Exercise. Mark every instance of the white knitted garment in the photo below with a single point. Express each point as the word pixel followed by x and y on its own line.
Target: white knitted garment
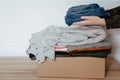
pixel 42 43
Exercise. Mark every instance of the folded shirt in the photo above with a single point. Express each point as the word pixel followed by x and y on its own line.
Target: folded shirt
pixel 42 43
pixel 89 50
pixel 103 45
pixel 74 13
pixel 63 53
pixel 100 49
pixel 61 48
pixel 99 54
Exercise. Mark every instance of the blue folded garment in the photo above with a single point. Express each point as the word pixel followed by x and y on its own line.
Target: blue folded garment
pixel 74 13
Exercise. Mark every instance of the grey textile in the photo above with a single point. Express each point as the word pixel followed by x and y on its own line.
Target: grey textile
pixel 93 45
pixel 42 43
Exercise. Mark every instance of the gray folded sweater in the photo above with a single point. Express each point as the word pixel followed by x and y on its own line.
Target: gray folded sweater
pixel 103 43
pixel 42 43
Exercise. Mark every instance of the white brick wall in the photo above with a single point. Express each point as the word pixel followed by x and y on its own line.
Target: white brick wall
pixel 20 18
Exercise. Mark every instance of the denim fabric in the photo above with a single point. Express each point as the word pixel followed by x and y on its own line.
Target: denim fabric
pixel 74 13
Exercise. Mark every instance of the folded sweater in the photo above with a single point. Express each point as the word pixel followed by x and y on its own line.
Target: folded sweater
pixel 103 45
pixel 99 54
pixel 74 13
pixel 42 43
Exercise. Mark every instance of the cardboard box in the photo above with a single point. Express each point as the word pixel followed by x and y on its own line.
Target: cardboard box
pixel 73 67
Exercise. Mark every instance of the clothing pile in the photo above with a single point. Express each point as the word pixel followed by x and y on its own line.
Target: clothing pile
pixel 75 40
pixel 101 50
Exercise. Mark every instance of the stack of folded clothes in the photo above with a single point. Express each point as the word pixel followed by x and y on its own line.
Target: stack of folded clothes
pixel 73 41
pixel 77 50
pixel 101 49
